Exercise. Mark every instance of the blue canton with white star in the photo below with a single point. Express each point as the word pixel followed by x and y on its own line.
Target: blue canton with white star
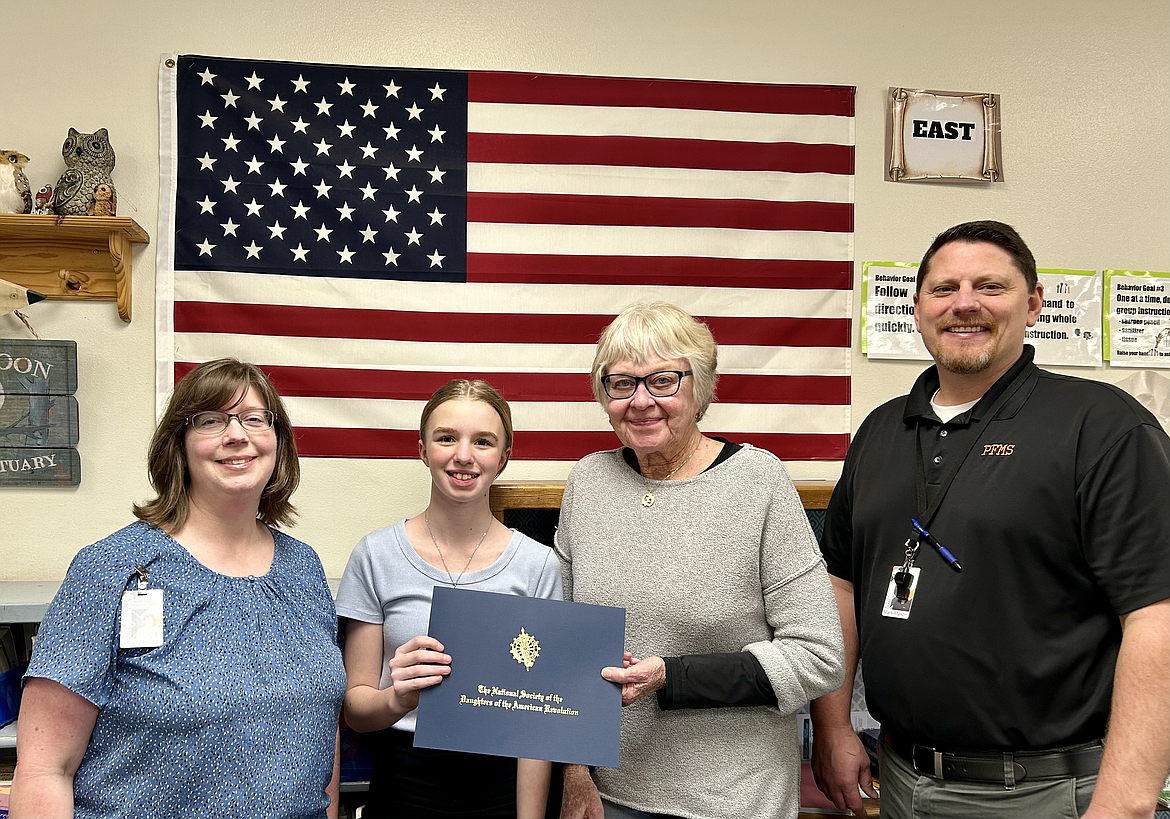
pixel 321 170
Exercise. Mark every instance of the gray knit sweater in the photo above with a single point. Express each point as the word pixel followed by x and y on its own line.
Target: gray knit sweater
pixel 722 562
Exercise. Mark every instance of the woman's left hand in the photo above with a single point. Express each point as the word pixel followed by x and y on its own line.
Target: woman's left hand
pixel 637 678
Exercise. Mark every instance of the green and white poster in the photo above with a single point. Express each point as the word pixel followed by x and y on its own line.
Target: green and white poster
pixel 1068 330
pixel 1137 314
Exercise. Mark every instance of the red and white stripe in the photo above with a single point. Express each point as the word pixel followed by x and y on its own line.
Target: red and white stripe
pixel 584 195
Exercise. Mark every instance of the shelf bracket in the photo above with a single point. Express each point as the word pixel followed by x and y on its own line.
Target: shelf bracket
pixel 121 253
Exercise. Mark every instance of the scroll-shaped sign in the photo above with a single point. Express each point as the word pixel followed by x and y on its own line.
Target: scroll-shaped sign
pixel 943 135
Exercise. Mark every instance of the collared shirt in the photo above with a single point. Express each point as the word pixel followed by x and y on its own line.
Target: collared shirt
pixel 1058 516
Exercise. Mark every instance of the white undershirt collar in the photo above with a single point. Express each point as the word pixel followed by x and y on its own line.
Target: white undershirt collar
pixel 945 413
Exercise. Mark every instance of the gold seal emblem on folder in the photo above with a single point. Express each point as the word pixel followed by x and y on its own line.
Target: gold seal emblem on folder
pixel 525 649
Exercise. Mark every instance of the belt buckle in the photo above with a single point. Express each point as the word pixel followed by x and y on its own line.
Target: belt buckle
pixel 936 770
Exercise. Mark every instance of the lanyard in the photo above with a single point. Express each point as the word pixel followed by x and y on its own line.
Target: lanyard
pixel 926 513
pixel 904 580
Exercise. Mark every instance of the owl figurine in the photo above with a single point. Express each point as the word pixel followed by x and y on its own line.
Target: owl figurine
pixel 44 200
pixel 103 201
pixel 89 160
pixel 15 195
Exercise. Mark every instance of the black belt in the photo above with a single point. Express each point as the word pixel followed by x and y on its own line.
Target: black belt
pixel 992 766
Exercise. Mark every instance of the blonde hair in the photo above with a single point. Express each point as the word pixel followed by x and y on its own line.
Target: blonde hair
pixel 663 330
pixel 210 386
pixel 469 390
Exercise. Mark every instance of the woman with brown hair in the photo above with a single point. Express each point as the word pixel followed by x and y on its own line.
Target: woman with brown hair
pixel 188 666
pixel 465 439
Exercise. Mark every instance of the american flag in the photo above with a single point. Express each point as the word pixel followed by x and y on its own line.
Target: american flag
pixel 366 234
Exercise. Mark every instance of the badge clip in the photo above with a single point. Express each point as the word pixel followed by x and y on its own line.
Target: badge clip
pixel 142 615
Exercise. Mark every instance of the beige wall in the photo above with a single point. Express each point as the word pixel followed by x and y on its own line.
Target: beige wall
pixel 1085 89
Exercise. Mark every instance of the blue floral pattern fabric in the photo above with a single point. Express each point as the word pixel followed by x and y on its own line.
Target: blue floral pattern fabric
pixel 233 716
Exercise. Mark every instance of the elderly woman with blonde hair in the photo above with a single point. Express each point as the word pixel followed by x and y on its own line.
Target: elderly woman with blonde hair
pixel 730 618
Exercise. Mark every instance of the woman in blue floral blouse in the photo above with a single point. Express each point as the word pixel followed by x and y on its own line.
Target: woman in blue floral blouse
pixel 188 666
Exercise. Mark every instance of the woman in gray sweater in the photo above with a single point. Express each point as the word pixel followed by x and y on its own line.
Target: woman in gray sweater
pixel 730 619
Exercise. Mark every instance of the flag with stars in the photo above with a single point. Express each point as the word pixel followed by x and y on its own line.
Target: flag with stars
pixel 366 234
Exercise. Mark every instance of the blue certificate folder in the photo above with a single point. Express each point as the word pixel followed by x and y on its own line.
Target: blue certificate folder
pixel 525 678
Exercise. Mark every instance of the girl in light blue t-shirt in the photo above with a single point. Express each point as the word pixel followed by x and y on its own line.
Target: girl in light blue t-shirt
pixel 465 439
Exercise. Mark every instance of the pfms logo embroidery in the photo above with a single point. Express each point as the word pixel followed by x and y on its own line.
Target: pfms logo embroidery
pixel 998 449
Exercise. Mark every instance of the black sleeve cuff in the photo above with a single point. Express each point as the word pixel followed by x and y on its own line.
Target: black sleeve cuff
pixel 732 680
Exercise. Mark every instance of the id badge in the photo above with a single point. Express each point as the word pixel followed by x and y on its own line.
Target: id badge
pixel 893 607
pixel 142 619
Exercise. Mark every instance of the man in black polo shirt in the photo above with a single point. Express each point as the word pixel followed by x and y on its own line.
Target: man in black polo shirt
pixel 1024 616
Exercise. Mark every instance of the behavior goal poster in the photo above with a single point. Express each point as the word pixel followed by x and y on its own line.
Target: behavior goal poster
pixel 1138 317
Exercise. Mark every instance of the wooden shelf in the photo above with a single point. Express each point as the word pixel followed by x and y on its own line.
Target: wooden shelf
pixel 505 495
pixel 71 257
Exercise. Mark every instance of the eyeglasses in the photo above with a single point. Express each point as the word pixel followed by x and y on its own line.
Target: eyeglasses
pixel 662 384
pixel 213 422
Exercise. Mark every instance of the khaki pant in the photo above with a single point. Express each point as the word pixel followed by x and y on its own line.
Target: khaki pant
pixel 907 794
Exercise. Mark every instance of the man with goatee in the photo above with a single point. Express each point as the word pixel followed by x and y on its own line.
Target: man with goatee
pixel 999 544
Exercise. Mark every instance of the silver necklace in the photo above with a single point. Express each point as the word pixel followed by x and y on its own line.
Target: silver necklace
pixel 454 580
pixel 648 498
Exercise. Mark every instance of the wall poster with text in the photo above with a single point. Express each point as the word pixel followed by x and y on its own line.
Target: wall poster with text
pixel 1138 318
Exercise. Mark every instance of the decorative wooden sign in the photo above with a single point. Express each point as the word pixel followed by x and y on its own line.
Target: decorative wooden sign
pixel 31 466
pixel 38 420
pixel 51 365
pixel 38 413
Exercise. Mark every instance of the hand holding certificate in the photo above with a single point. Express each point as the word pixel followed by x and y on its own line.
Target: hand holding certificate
pixel 525 678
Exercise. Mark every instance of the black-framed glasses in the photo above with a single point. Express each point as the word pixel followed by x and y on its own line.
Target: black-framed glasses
pixel 213 422
pixel 661 384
